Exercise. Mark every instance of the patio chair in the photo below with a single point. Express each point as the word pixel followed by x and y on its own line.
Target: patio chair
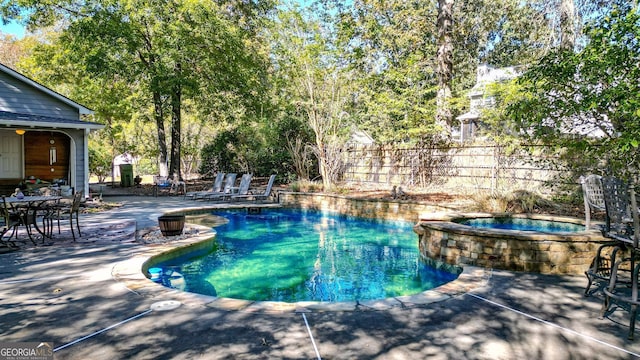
pixel 592 195
pixel 10 222
pixel 229 182
pixel 256 197
pixel 242 189
pixel 160 183
pixel 177 185
pixel 624 227
pixel 215 187
pixel 245 183
pixel 62 210
pixel 75 210
pixel 614 194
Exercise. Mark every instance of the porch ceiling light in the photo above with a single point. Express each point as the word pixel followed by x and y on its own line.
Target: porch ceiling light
pixel 20 131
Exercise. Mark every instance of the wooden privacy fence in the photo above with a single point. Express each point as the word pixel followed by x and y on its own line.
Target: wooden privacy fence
pixel 465 168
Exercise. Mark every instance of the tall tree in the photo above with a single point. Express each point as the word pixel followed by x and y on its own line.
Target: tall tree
pixel 389 49
pixel 567 24
pixel 315 85
pixel 444 64
pixel 171 50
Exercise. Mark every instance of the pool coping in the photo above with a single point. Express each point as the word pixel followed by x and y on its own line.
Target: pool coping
pixel 130 273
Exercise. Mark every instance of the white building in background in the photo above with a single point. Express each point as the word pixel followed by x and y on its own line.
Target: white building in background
pixel 479 99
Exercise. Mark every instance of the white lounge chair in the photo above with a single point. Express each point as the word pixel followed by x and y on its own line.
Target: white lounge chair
pixel 257 197
pixel 229 182
pixel 215 188
pixel 243 189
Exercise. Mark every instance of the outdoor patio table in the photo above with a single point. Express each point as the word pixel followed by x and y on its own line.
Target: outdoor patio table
pixel 27 208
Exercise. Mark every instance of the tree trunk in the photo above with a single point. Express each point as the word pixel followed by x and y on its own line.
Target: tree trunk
pixel 162 142
pixel 176 98
pixel 444 65
pixel 176 123
pixel 327 183
pixel 567 24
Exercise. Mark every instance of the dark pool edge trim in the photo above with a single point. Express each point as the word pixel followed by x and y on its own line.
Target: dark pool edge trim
pixel 130 273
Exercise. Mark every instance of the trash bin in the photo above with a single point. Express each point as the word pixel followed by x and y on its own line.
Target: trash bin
pixel 126 175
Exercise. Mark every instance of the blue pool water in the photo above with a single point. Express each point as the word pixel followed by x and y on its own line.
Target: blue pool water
pixel 510 223
pixel 297 255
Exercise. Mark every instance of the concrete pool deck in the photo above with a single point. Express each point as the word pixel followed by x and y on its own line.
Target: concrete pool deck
pixel 67 295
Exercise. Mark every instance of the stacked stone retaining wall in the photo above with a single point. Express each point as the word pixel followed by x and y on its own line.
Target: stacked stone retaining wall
pixel 510 250
pixel 367 208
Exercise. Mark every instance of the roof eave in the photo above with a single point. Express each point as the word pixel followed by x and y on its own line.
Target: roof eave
pixel 42 124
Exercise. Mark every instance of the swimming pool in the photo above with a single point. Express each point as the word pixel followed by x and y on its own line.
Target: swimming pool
pixel 292 255
pixel 521 224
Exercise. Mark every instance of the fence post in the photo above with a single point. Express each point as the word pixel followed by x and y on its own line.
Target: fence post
pixel 494 171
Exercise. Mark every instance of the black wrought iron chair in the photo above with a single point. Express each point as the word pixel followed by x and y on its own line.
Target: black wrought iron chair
pixel 623 226
pixel 74 210
pixel 59 210
pixel 613 195
pixel 10 222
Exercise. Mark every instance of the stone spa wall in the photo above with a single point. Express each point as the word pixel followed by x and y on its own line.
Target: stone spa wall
pixel 453 243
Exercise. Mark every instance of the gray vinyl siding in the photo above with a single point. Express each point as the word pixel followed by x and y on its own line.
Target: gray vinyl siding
pixel 18 97
pixel 78 136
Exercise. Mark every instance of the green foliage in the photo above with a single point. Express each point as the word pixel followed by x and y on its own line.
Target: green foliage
pixel 389 49
pixel 498 126
pixel 221 154
pixel 585 105
pixel 99 161
pixel 257 149
pixel 145 60
pixel 247 82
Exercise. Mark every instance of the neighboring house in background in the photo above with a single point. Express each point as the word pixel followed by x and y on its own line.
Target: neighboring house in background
pixel 360 137
pixel 42 135
pixel 471 120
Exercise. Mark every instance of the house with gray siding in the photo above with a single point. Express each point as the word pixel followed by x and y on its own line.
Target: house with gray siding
pixel 480 99
pixel 43 135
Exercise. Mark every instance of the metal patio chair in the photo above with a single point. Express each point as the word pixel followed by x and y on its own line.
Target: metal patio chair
pixel 623 225
pixel 10 222
pixel 62 210
pixel 592 195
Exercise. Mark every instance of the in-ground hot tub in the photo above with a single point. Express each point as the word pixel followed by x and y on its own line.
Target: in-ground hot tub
pixel 546 244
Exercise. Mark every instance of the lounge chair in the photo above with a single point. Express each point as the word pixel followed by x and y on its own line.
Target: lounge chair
pixel 216 187
pixel 257 197
pixel 168 185
pixel 229 182
pixel 243 189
